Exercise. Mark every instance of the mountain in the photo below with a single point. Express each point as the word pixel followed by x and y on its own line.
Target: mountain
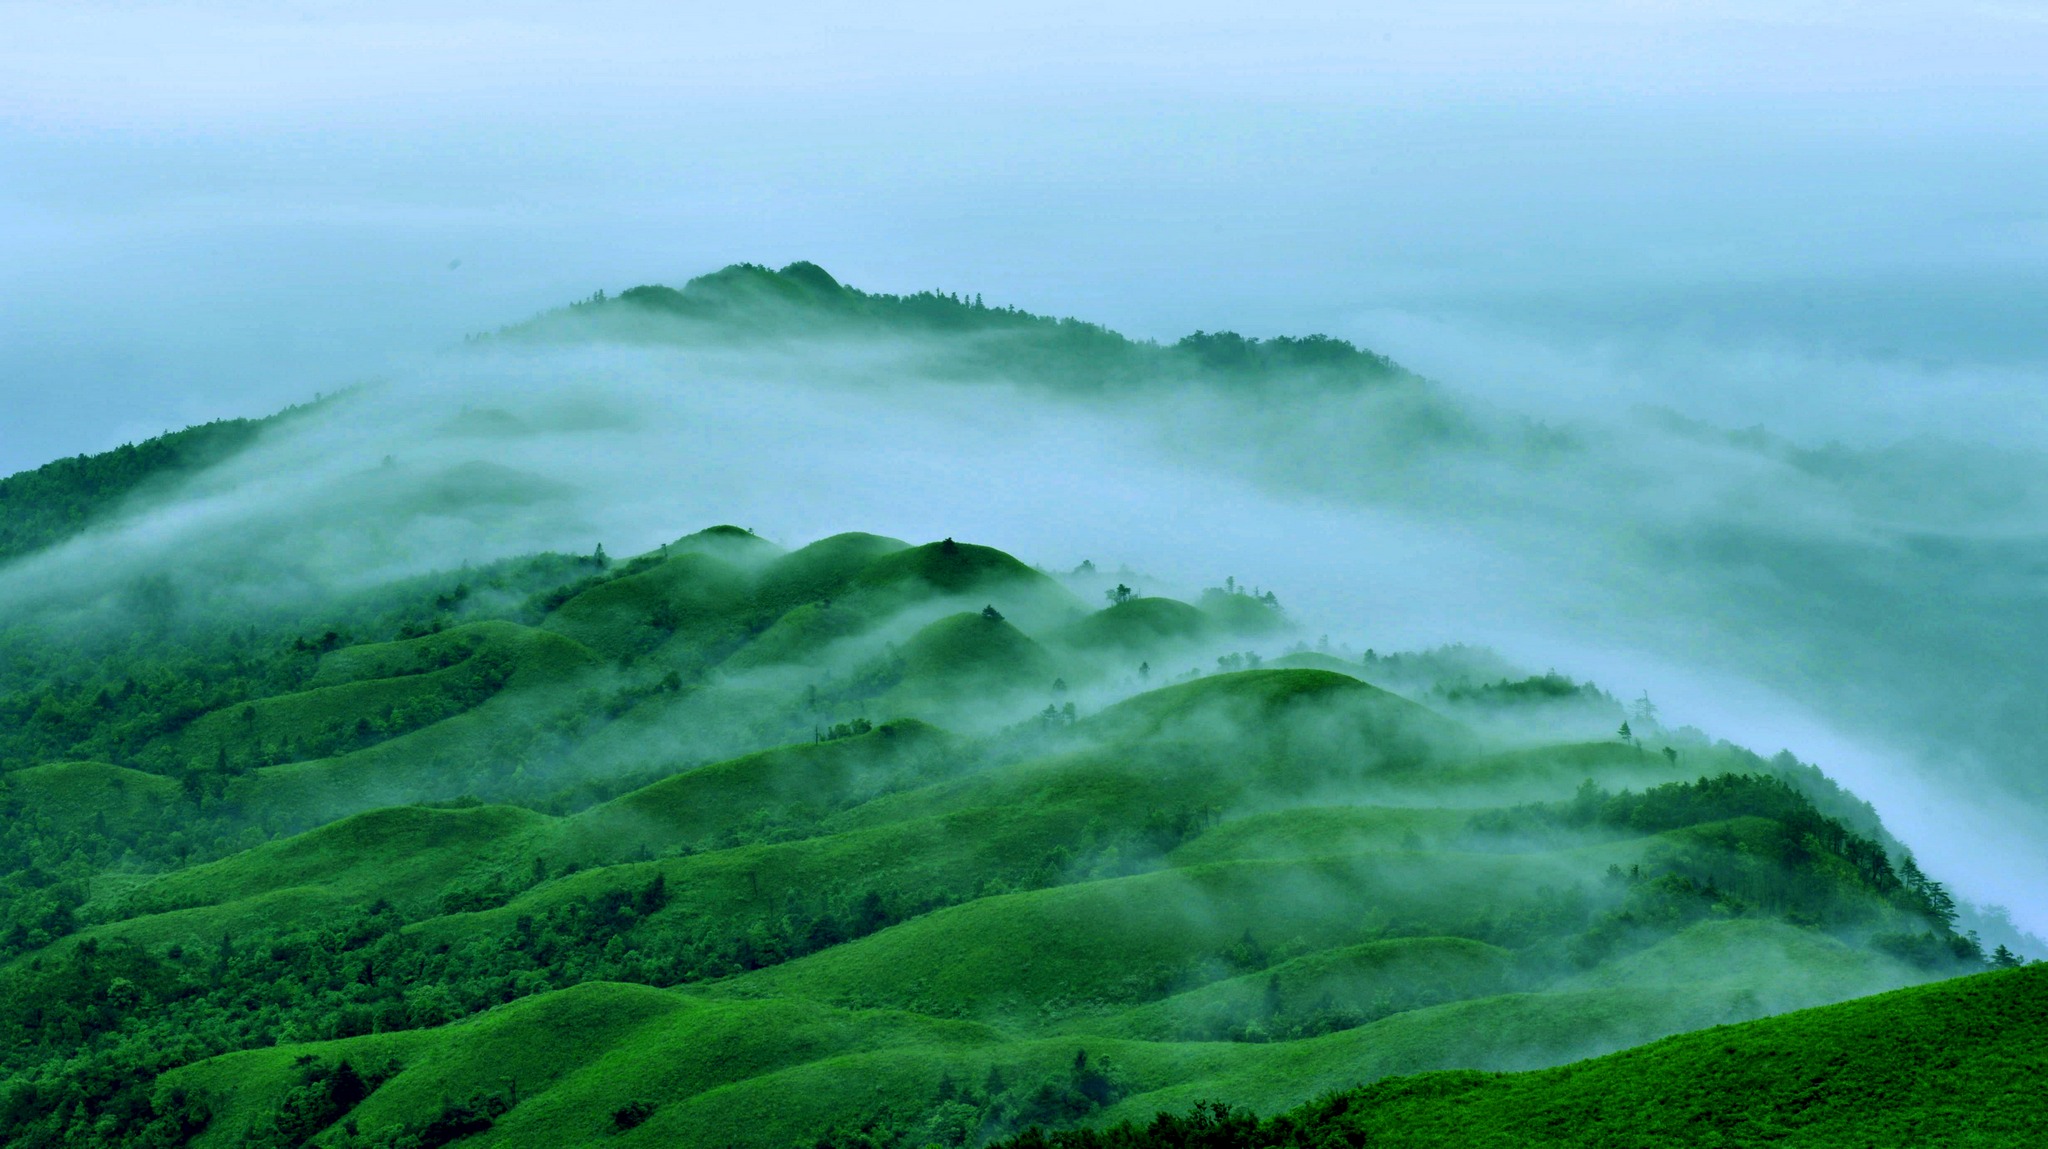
pixel 751 304
pixel 861 842
pixel 424 855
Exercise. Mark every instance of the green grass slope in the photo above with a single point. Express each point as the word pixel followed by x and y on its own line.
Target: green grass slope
pixel 1104 946
pixel 400 853
pixel 967 659
pixel 1137 626
pixel 821 570
pixel 736 545
pixel 1341 987
pixel 670 892
pixel 71 796
pixel 804 782
pixel 948 570
pixel 1954 1064
pixel 693 598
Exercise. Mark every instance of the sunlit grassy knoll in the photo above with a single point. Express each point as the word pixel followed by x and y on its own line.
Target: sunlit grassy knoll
pixel 527 1045
pixel 760 1073
pixel 574 1057
pixel 241 1089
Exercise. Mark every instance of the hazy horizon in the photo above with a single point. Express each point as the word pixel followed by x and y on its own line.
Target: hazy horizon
pixel 1749 214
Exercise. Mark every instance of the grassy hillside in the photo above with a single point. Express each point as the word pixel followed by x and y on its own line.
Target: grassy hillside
pixel 1953 1064
pixel 861 843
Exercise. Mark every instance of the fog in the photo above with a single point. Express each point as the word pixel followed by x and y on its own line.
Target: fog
pixel 1818 219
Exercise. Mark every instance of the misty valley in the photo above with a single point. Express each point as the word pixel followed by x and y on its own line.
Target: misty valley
pixel 348 804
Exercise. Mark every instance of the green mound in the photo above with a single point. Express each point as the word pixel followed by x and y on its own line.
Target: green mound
pixel 1804 966
pixel 947 567
pixel 822 570
pixel 374 660
pixel 1338 717
pixel 694 600
pixel 968 656
pixel 950 570
pixel 736 545
pixel 1137 626
pixel 803 633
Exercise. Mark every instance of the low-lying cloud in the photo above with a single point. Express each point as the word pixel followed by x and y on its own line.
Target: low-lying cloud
pixel 1866 608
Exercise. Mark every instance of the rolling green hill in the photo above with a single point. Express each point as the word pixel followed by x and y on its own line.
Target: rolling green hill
pixel 910 932
pixel 1953 1064
pixel 684 876
pixel 881 844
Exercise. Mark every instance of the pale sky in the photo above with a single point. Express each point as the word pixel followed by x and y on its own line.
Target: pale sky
pixel 212 209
